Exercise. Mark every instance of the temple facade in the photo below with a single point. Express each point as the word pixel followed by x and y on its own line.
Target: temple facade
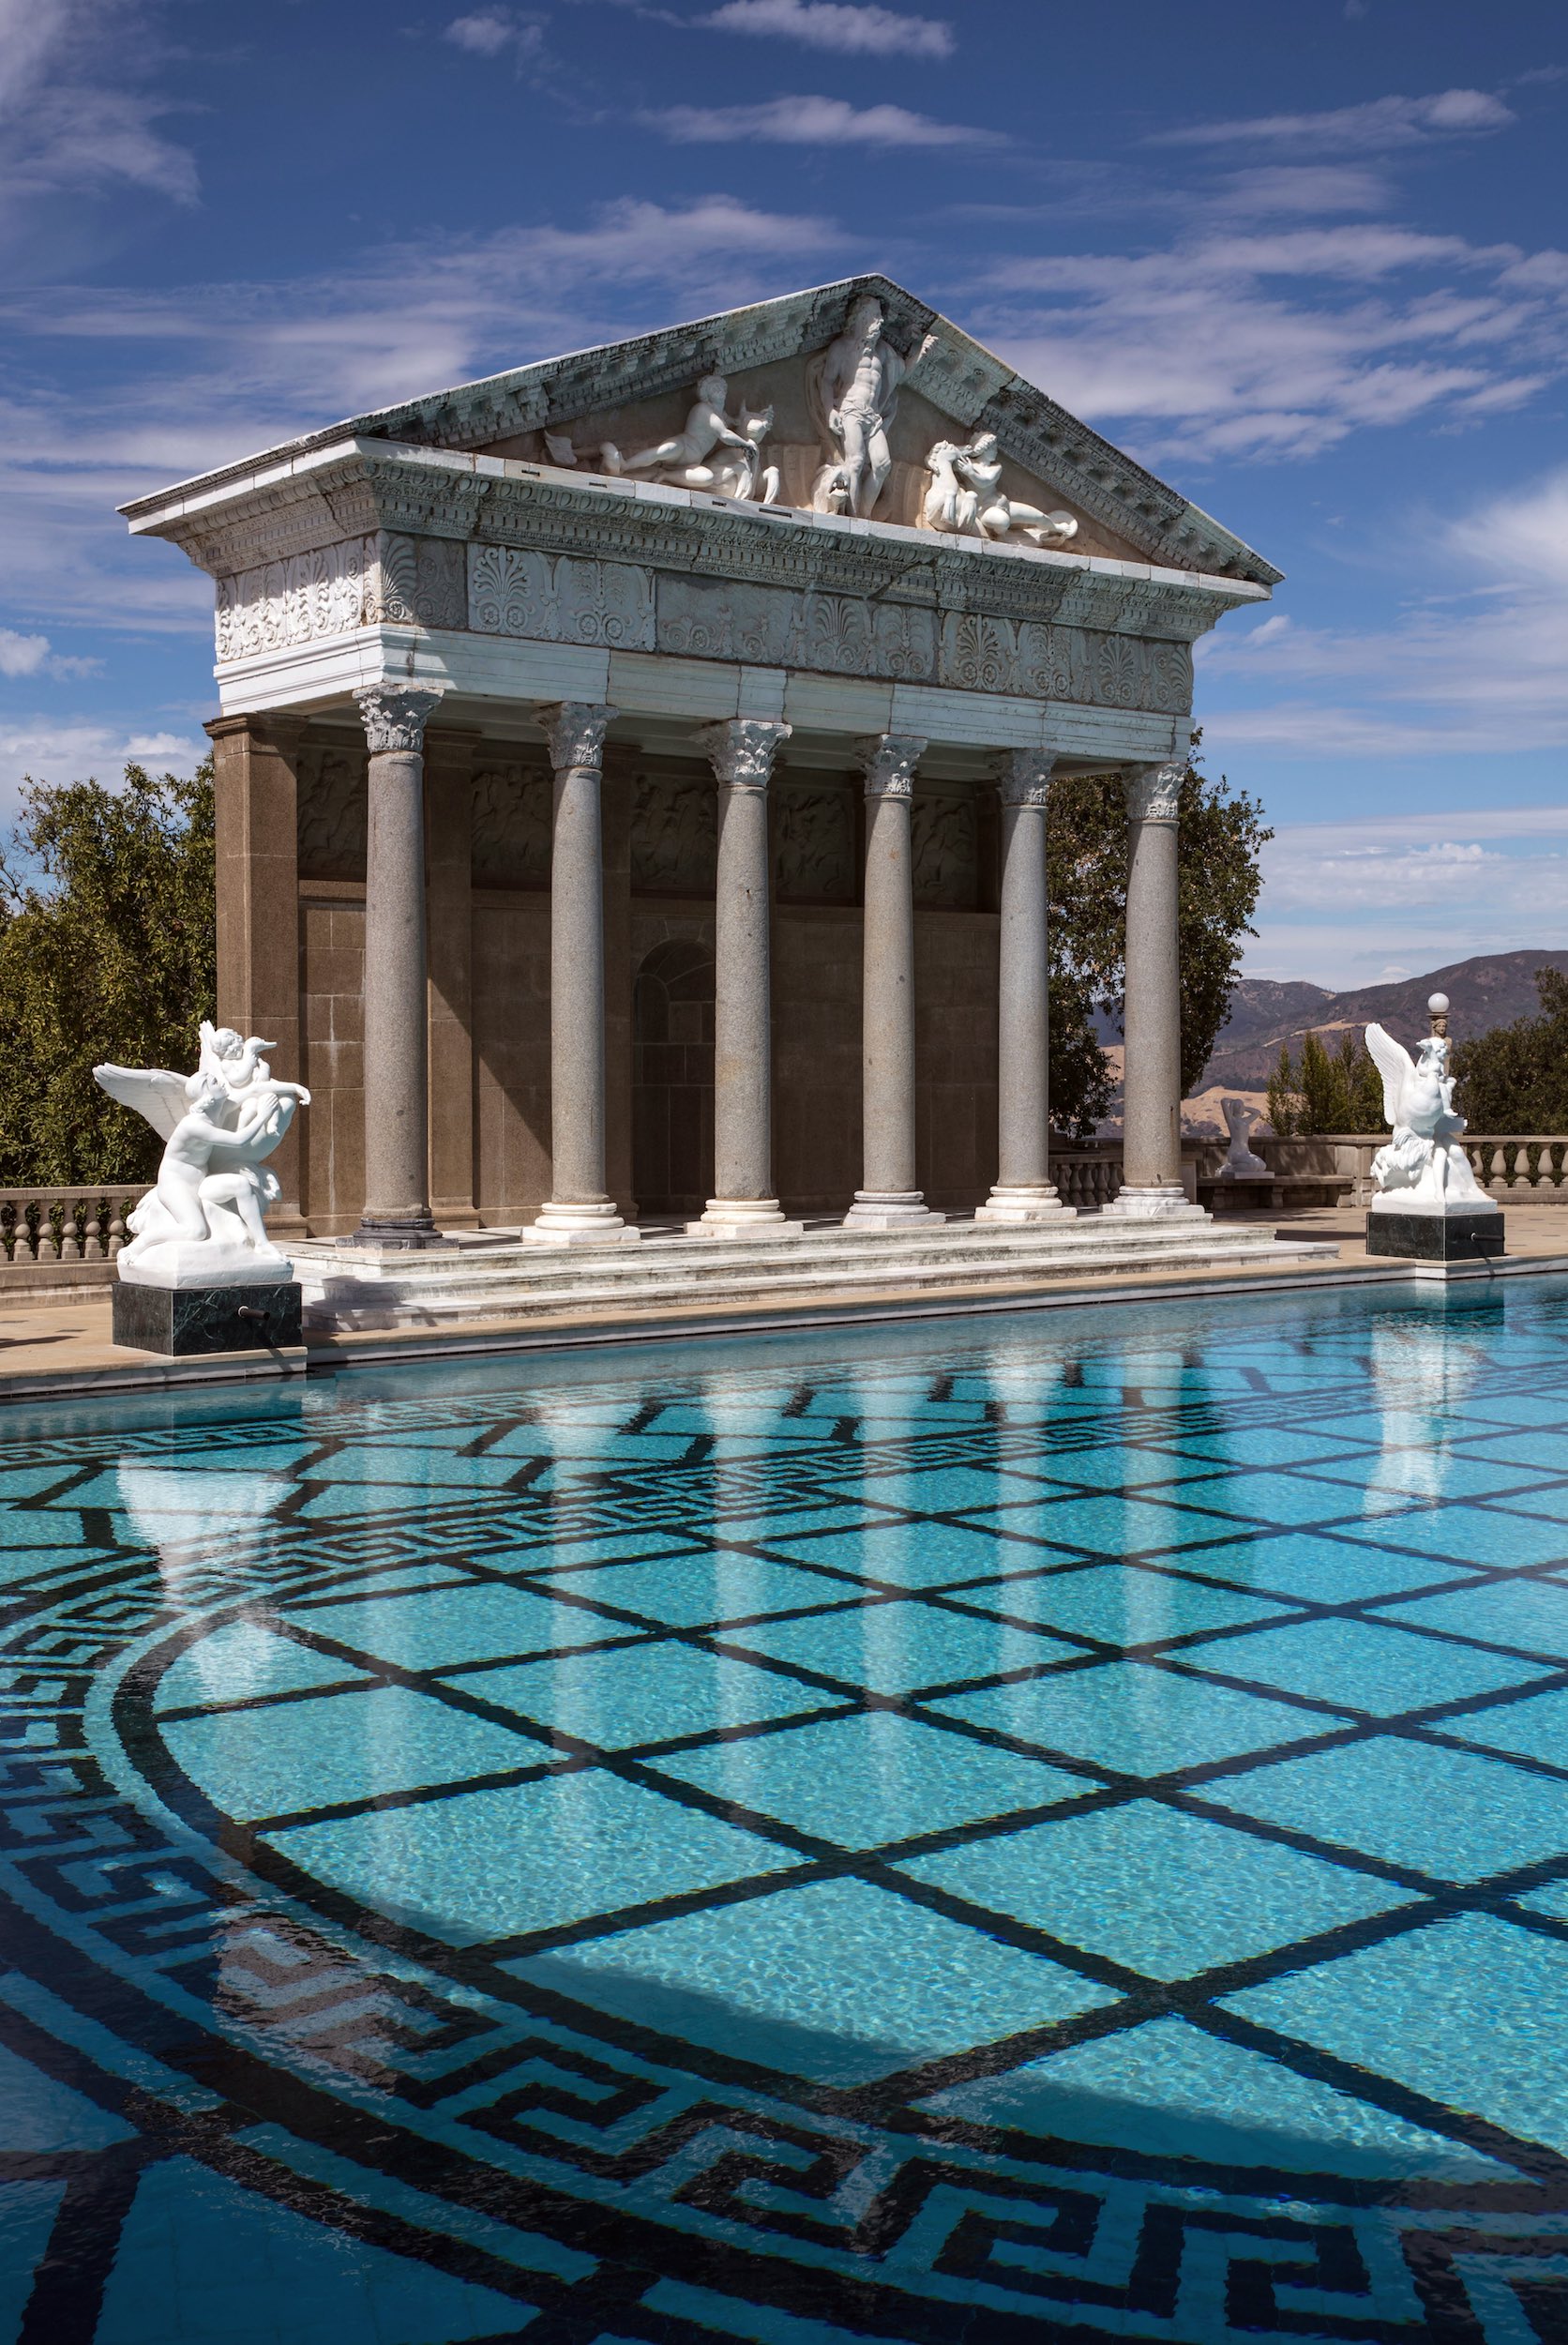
pixel 633 773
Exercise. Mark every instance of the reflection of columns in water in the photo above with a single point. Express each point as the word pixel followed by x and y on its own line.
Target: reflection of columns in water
pixel 1423 1368
pixel 191 1516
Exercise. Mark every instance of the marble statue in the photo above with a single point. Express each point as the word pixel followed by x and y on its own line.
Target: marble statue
pixel 966 497
pixel 202 1224
pixel 709 452
pixel 853 388
pixel 1241 1163
pixel 1423 1169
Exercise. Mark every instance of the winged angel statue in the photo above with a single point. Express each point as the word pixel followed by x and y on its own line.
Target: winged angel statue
pixel 202 1224
pixel 1422 1168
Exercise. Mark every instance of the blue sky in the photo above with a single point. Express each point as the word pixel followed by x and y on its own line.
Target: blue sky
pixel 1304 260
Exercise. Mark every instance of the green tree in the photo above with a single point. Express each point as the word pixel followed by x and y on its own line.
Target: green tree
pixel 107 951
pixel 1516 1078
pixel 1331 1091
pixel 1220 837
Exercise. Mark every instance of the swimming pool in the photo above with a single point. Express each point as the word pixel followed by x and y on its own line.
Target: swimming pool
pixel 1007 1829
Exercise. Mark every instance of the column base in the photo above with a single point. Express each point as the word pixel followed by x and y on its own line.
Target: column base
pixel 745 1218
pixel 1163 1201
pixel 1037 1203
pixel 588 1224
pixel 398 1233
pixel 888 1209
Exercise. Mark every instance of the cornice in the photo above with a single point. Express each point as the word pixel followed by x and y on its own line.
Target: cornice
pixel 367 489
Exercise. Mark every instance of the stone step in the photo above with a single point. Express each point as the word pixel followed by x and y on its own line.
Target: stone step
pixel 527 1283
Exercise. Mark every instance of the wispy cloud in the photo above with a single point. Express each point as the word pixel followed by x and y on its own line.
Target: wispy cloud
pixel 75 116
pixel 206 374
pixel 852 30
pixel 1284 342
pixel 1482 672
pixel 1344 901
pixel 812 122
pixel 494 32
pixel 1379 125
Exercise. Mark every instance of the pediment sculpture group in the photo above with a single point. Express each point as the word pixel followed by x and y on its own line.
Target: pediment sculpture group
pixel 853 394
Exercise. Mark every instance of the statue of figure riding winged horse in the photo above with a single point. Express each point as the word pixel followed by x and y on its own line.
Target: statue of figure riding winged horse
pixel 1424 1163
pixel 203 1221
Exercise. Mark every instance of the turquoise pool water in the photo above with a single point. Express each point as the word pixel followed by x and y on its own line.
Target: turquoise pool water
pixel 994 1831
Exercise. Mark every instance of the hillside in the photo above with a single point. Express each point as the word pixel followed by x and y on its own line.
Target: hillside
pixel 1488 990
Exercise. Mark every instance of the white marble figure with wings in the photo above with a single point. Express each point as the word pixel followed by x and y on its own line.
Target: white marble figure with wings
pixel 1423 1166
pixel 202 1224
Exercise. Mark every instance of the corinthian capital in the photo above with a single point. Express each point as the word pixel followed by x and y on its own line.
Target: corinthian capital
pixel 742 749
pixel 395 715
pixel 575 730
pixel 890 760
pixel 1023 777
pixel 1153 793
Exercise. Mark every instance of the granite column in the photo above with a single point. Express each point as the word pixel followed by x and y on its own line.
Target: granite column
pixel 580 1211
pixel 396 1208
pixel 889 1197
pixel 1152 1187
pixel 1023 1191
pixel 742 751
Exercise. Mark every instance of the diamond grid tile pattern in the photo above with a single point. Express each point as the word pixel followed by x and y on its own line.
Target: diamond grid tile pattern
pixel 1067 1825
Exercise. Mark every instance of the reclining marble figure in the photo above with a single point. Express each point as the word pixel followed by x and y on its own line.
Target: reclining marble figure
pixel 202 1222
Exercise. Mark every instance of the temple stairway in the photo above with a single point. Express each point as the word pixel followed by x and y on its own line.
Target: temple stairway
pixel 670 1278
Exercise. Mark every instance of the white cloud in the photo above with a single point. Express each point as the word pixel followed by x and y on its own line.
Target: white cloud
pixel 74 118
pixel 813 122
pixel 81 752
pixel 1343 901
pixel 1280 343
pixel 1373 128
pixel 1268 188
pixel 209 374
pixel 30 655
pixel 491 32
pixel 852 30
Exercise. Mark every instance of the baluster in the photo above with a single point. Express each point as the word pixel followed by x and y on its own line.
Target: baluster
pixel 1547 1177
pixel 116 1226
pixel 1500 1171
pixel 92 1248
pixel 22 1234
pixel 46 1250
pixel 70 1244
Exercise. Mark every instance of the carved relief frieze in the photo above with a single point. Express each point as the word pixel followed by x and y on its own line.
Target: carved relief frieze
pixel 332 811
pixel 415 581
pixel 944 850
pixel 674 832
pixel 828 634
pixel 984 654
pixel 511 827
pixel 292 602
pixel 813 841
pixel 559 598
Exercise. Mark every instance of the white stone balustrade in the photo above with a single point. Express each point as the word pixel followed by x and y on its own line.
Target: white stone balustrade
pixel 79 1223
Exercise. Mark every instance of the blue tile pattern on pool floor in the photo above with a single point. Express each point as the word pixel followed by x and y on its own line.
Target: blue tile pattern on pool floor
pixel 1030 1829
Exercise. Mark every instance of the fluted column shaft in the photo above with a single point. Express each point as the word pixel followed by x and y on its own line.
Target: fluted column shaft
pixel 579 1210
pixel 1023 1191
pixel 742 752
pixel 396 1208
pixel 1152 1004
pixel 890 1195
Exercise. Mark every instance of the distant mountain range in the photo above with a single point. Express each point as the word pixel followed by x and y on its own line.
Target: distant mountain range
pixel 1489 990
